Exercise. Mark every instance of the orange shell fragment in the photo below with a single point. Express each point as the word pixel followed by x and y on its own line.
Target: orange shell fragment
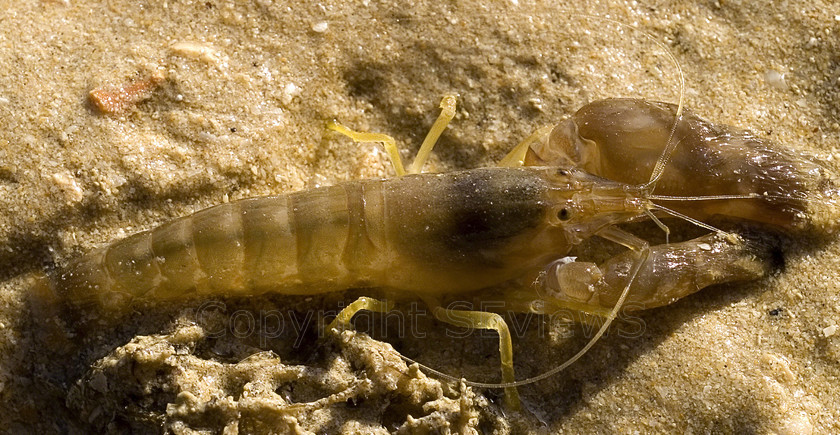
pixel 115 100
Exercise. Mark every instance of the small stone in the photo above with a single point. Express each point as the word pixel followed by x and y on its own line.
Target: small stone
pixel 290 91
pixel 195 50
pixel 775 79
pixel 69 187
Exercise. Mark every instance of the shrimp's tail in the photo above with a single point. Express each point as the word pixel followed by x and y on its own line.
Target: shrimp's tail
pixel 48 314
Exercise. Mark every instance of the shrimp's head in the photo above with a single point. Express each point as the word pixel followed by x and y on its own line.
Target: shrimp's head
pixel 581 204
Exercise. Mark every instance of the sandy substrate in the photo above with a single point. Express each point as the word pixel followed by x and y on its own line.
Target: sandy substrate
pixel 230 102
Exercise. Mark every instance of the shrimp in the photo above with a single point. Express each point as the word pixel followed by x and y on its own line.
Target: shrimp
pixel 489 234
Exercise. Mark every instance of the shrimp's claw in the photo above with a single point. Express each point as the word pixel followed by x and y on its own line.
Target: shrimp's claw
pixel 711 164
pixel 691 265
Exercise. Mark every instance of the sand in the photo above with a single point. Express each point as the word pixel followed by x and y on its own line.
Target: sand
pixel 229 100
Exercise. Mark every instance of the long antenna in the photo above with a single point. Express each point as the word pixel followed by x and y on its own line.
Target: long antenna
pixel 665 157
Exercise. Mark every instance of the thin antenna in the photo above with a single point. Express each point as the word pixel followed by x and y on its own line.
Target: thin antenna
pixel 665 157
pixel 688 219
pixel 707 197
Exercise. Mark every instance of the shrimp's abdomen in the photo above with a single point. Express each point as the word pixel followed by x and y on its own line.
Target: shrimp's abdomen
pixel 282 243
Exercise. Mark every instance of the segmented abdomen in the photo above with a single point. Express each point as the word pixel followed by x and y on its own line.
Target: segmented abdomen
pixel 307 242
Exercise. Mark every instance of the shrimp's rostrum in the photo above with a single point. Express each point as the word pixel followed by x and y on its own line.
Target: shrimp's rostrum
pixel 491 234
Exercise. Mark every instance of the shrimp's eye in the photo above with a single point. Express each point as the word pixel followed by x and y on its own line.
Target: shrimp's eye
pixel 564 214
pixel 562 172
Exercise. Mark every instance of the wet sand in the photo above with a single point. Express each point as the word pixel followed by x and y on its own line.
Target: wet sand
pixel 231 103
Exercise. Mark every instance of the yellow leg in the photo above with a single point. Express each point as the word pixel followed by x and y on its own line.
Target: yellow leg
pixel 447 112
pixel 485 320
pixel 517 156
pixel 447 105
pixel 388 141
pixel 343 318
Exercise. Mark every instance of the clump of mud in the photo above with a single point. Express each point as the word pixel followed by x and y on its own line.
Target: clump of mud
pixel 172 383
